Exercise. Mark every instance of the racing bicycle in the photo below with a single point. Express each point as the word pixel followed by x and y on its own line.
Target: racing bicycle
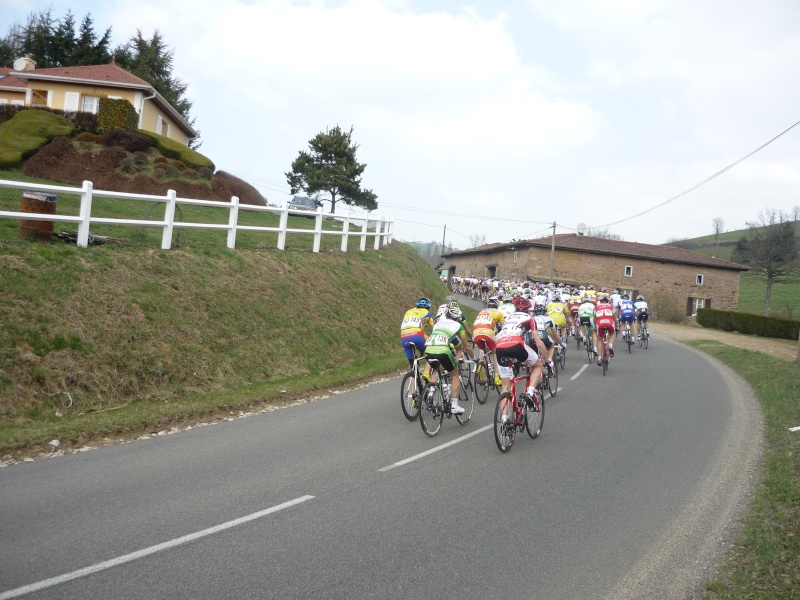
pixel 515 412
pixel 435 403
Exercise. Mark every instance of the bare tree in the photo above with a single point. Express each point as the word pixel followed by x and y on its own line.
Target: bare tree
pixel 476 240
pixel 796 213
pixel 771 250
pixel 718 224
pixel 603 234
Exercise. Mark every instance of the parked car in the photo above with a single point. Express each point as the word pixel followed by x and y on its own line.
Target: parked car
pixel 303 203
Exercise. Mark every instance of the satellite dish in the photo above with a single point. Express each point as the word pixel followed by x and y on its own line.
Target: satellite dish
pixel 581 228
pixel 19 64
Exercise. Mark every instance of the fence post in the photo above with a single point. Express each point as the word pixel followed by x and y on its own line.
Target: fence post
pixel 232 222
pixel 283 226
pixel 318 230
pixel 378 232
pixel 169 220
pixel 85 214
pixel 345 229
pixel 390 232
pixel 363 246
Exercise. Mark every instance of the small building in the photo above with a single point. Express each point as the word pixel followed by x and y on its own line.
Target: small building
pixel 80 89
pixel 670 278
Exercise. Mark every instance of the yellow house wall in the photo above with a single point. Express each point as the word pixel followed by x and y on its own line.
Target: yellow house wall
pixel 151 111
pixel 9 96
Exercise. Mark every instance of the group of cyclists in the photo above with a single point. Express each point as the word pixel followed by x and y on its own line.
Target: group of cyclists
pixel 520 323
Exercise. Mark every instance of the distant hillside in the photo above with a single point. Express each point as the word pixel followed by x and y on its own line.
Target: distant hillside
pixel 721 246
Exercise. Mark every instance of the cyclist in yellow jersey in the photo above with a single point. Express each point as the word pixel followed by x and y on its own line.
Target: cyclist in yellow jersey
pixel 486 325
pixel 412 329
pixel 559 313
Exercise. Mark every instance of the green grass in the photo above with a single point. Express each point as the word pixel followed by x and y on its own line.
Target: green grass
pixel 140 337
pixel 26 132
pixel 173 149
pixel 764 562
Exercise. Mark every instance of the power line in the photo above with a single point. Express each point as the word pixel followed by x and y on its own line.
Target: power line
pixel 714 176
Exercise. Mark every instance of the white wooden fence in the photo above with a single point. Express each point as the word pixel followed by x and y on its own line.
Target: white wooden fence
pixel 382 235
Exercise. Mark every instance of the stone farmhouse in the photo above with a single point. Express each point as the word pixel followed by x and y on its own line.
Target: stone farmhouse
pixel 80 89
pixel 660 273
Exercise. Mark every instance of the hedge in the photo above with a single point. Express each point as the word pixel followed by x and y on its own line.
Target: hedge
pixel 751 324
pixel 26 132
pixel 172 149
pixel 116 114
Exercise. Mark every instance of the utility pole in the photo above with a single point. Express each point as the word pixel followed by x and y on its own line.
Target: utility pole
pixel 443 234
pixel 553 253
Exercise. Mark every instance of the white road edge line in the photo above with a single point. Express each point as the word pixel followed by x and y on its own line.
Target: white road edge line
pixel 114 562
pixel 431 451
pixel 582 369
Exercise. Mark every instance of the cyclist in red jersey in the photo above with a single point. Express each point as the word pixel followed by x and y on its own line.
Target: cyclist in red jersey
pixel 604 321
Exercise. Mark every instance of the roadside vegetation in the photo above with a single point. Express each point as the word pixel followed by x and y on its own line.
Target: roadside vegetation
pixel 764 560
pixel 121 340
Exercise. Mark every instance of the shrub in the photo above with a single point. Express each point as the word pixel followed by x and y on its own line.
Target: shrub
pixel 161 160
pixel 191 174
pixel 129 141
pixel 173 149
pixel 666 307
pixel 26 132
pixel 117 113
pixel 9 110
pixel 128 165
pixel 86 137
pixel 205 172
pixel 772 327
pixel 140 158
pixel 83 121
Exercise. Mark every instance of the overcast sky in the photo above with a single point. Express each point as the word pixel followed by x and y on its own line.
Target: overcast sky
pixel 496 118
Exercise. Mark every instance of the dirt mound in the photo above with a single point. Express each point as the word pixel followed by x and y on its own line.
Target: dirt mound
pixel 69 162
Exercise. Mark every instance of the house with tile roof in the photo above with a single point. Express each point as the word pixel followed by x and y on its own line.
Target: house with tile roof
pixel 80 89
pixel 689 279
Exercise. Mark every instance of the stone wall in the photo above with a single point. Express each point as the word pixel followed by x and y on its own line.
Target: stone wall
pixel 651 278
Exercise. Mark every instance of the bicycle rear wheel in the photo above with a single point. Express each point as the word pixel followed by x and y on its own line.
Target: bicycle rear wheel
pixel 629 340
pixel 562 359
pixel 480 381
pixel 504 429
pixel 431 410
pixel 646 337
pixel 466 398
pixel 534 419
pixel 552 381
pixel 605 361
pixel 410 392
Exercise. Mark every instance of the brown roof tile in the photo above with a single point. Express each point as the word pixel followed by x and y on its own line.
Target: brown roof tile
pixel 583 243
pixel 110 73
pixel 10 81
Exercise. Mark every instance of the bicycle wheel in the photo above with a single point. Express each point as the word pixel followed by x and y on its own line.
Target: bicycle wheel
pixel 552 381
pixel 480 381
pixel 534 419
pixel 605 361
pixel 466 398
pixel 431 410
pixel 504 429
pixel 562 359
pixel 410 396
pixel 629 340
pixel 646 337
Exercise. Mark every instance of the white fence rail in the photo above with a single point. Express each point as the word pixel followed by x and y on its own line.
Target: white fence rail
pixel 381 236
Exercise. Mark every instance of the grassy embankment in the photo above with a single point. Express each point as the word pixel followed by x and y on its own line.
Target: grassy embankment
pixel 141 339
pixel 764 561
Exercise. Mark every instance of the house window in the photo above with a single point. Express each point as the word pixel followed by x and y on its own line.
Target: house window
pixel 90 104
pixel 628 271
pixel 694 303
pixel 38 97
pixel 169 130
pixel 17 103
pixel 159 125
pixel 515 257
pixel 3 101
pixel 699 279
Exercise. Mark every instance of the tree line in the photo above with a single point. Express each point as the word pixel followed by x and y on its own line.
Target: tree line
pixel 53 42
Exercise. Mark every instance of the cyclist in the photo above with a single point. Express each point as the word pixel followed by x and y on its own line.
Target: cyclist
pixel 513 342
pixel 642 314
pixel 626 311
pixel 412 329
pixel 557 311
pixel 486 325
pixel 506 305
pixel 448 340
pixel 586 319
pixel 547 331
pixel 615 298
pixel 604 322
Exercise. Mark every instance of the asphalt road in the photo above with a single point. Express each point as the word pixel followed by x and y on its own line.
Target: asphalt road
pixel 629 492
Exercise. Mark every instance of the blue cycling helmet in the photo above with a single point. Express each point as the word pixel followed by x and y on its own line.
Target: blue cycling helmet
pixel 423 303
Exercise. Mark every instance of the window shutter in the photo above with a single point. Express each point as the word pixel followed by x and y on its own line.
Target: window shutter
pixel 71 100
pixel 689 306
pixel 708 303
pixel 634 293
